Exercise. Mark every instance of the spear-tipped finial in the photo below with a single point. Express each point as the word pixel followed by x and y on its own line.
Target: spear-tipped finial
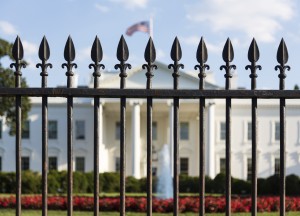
pixel 282 59
pixel 96 56
pixel 122 56
pixel 201 58
pixel 150 56
pixel 228 55
pixel 69 52
pixel 122 50
pixel 253 56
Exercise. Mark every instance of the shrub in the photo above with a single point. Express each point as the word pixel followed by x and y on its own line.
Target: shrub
pixel 111 182
pixel 53 182
pixel 31 182
pixel 7 182
pixel 219 183
pixel 292 185
pixel 80 183
pixel 133 185
pixel 241 187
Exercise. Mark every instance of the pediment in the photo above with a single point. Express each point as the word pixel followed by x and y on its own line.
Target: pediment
pixel 162 79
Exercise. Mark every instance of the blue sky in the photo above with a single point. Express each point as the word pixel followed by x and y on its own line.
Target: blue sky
pixel 241 20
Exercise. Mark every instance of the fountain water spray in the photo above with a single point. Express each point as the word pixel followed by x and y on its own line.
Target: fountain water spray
pixel 164 183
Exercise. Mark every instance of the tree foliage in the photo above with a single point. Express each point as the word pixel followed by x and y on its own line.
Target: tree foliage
pixel 7 79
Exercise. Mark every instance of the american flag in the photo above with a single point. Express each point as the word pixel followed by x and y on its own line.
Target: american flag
pixel 141 26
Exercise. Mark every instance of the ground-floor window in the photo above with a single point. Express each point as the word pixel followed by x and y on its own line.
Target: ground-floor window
pixel 184 166
pixel 52 163
pixel 25 163
pixel 249 169
pixel 277 166
pixel 154 171
pixel 222 165
pixel 117 164
pixel 79 164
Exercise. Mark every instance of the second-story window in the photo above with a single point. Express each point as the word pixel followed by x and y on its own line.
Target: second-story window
pixel 1 129
pixel 184 130
pixel 52 129
pixel 26 130
pixel 117 130
pixel 80 129
pixel 154 130
pixel 277 131
pixel 249 131
pixel 222 131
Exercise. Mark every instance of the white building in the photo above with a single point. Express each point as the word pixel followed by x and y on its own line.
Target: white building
pixel 268 131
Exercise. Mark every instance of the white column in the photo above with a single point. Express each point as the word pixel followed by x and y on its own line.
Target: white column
pixel 171 135
pixel 211 140
pixel 103 153
pixel 136 144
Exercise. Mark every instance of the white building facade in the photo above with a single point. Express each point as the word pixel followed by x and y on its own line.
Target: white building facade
pixel 109 151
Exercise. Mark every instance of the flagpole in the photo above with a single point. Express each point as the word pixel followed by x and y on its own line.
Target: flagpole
pixel 151 26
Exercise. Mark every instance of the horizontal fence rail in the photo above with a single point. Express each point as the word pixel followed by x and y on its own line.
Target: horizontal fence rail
pixel 149 94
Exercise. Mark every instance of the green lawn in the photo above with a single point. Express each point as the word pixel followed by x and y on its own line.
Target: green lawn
pixel 5 212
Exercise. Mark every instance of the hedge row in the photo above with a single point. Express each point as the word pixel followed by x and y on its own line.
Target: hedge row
pixel 110 182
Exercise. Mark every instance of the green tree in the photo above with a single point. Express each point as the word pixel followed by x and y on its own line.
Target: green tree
pixel 7 79
pixel 296 87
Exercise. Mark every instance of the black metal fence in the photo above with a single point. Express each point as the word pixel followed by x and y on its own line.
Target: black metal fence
pixel 148 93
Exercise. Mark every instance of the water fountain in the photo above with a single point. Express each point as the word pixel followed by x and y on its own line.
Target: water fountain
pixel 164 181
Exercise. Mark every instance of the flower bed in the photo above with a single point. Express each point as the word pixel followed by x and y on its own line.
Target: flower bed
pixel 138 204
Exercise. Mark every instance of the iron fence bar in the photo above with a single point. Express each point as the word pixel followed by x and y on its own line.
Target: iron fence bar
pixel 18 155
pixel 70 153
pixel 122 156
pixel 149 156
pixel 17 53
pixel 69 54
pixel 44 155
pixel 254 157
pixel 96 154
pixel 228 157
pixel 176 55
pixel 44 54
pixel 202 155
pixel 228 55
pixel 122 55
pixel 282 59
pixel 176 156
pixel 253 56
pixel 282 156
pixel 150 55
pixel 202 58
pixel 96 55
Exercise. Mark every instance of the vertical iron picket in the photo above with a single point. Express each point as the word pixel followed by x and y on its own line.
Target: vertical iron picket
pixel 150 55
pixel 122 55
pixel 44 54
pixel 282 58
pixel 96 56
pixel 69 54
pixel 228 56
pixel 18 53
pixel 202 58
pixel 176 55
pixel 253 56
